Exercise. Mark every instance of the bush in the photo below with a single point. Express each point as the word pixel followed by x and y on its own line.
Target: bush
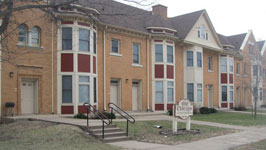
pixel 195 109
pixel 80 116
pixel 170 112
pixel 109 115
pixel 264 106
pixel 212 110
pixel 204 110
pixel 240 108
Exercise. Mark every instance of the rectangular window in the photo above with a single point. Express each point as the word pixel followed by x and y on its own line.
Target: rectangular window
pixel 199 59
pixel 170 54
pixel 94 42
pixel 95 89
pixel 210 63
pixel 237 68
pixel 245 68
pixel 115 46
pixel 259 71
pixel 84 40
pixel 223 63
pixel 159 91
pixel 189 59
pixel 84 89
pixel 158 53
pixel 66 89
pixel 199 92
pixel 231 93
pixel 170 91
pixel 190 92
pixel 231 65
pixel 224 93
pixel 261 94
pixel 66 38
pixel 255 70
pixel 136 54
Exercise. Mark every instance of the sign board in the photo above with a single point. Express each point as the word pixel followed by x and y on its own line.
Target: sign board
pixel 184 109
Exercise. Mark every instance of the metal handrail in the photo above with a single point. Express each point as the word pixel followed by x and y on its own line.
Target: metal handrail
pixel 88 107
pixel 118 109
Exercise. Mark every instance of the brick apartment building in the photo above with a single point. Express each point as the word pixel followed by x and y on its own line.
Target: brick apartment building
pixel 102 51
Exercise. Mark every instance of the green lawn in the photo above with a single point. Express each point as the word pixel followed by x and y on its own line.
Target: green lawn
pixel 146 132
pixel 36 135
pixel 232 118
pixel 254 146
pixel 258 111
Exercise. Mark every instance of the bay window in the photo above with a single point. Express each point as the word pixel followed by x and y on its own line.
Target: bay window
pixel 84 89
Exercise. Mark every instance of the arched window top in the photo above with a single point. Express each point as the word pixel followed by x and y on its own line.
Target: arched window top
pixel 35 35
pixel 23 33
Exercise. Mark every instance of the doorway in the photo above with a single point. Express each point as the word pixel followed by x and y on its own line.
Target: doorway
pixel 210 96
pixel 29 104
pixel 115 96
pixel 136 96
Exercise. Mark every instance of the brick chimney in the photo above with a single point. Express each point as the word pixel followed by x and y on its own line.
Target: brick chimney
pixel 160 10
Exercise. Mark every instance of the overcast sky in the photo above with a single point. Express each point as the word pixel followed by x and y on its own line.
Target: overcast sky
pixel 229 17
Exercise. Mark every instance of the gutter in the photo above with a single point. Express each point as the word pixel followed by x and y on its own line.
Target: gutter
pixel 52 68
pixel 104 70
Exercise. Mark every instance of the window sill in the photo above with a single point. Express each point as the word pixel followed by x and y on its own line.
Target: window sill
pixel 210 71
pixel 29 46
pixel 116 54
pixel 67 104
pixel 137 65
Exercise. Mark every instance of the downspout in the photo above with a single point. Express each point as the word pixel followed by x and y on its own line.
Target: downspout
pixel 148 74
pixel 52 68
pixel 0 78
pixel 104 70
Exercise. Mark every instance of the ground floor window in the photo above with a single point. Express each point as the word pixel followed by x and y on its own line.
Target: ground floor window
pixel 95 89
pixel 231 93
pixel 190 92
pixel 159 91
pixel 199 92
pixel 170 91
pixel 66 89
pixel 224 93
pixel 84 89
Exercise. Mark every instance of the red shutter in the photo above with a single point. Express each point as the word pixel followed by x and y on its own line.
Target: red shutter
pixel 84 64
pixel 231 79
pixel 66 62
pixel 224 78
pixel 170 72
pixel 67 110
pixel 159 71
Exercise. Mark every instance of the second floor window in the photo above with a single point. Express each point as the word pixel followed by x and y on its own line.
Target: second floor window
pixel 170 54
pixel 199 60
pixel 35 36
pixel 158 53
pixel 223 63
pixel 67 39
pixel 84 40
pixel 22 33
pixel 115 46
pixel 231 65
pixel 136 54
pixel 210 63
pixel 189 58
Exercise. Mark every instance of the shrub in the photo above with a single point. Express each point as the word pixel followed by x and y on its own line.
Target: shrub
pixel 170 112
pixel 212 110
pixel 195 109
pixel 240 108
pixel 109 115
pixel 264 106
pixel 204 110
pixel 80 116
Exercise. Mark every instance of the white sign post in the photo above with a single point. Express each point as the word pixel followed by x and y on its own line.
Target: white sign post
pixel 182 110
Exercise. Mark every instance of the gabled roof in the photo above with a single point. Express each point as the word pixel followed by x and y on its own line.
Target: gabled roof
pixel 233 40
pixel 184 23
pixel 261 44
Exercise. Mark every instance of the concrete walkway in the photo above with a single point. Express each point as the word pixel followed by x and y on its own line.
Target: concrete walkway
pixel 246 136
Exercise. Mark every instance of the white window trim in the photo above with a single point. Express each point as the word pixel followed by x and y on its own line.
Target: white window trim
pixel 119 51
pixel 137 64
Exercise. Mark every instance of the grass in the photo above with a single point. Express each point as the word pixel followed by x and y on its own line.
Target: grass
pixel 231 118
pixel 258 111
pixel 254 146
pixel 146 132
pixel 36 135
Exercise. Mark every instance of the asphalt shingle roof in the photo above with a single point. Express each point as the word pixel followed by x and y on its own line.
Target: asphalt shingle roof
pixel 234 40
pixel 260 44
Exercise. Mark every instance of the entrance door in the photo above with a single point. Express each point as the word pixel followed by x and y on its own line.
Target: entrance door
pixel 136 96
pixel 28 102
pixel 115 92
pixel 210 96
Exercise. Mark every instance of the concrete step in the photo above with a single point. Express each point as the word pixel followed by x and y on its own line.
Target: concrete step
pixel 111 134
pixel 106 130
pixel 100 127
pixel 115 139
